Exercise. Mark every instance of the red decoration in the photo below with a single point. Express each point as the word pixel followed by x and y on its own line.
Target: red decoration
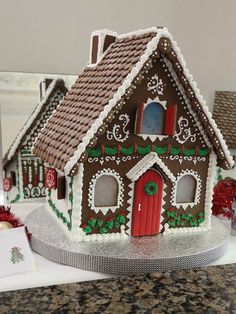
pixel 7 184
pixel 6 215
pixel 170 120
pixel 139 119
pixel 147 209
pixel 224 192
pixel 51 178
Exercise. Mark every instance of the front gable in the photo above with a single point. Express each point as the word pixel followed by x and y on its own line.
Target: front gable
pixel 180 129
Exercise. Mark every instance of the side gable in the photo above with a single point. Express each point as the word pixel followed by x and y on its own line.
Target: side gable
pixel 35 123
pixel 224 113
pixel 98 94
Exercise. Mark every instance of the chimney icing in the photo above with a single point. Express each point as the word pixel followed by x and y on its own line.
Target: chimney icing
pixel 43 86
pixel 100 42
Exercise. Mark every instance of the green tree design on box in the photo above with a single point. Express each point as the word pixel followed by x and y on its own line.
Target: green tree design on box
pixel 16 255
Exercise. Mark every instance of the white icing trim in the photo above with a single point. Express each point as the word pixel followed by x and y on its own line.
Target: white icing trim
pixel 209 190
pixel 77 232
pixel 114 134
pixel 186 100
pixel 146 163
pixel 31 119
pixel 151 47
pixel 92 185
pixel 108 236
pixel 163 204
pixel 156 99
pixel 152 137
pixel 101 37
pixel 130 208
pixel 197 191
pixel 202 102
pixel 185 230
pixel 20 182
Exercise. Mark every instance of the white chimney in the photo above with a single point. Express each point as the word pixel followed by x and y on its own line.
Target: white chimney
pixel 100 42
pixel 43 86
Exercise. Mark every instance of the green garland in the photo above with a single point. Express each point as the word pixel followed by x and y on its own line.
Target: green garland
pixel 103 226
pixel 185 219
pixel 58 213
pixel 150 188
pixel 144 150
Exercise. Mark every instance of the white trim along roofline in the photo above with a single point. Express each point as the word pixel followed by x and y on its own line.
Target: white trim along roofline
pixel 31 119
pixel 151 47
pixel 146 163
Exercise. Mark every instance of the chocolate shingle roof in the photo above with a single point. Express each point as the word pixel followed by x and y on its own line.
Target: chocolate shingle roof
pixel 100 88
pixel 224 113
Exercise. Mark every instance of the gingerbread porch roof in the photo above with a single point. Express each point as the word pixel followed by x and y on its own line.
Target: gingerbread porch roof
pixel 43 106
pixel 224 113
pixel 99 92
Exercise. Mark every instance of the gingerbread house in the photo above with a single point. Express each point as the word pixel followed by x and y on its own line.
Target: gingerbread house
pixel 132 148
pixel 23 171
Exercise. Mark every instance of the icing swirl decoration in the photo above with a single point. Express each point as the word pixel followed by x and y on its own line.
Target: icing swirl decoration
pixel 155 85
pixel 119 132
pixel 184 132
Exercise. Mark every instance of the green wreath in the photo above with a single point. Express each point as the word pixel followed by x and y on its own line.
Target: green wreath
pixel 150 188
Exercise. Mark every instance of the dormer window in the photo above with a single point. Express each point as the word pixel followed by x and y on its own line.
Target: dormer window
pixel 155 120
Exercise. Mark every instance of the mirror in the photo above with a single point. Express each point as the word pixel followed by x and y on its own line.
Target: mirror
pixel 27 101
pixel 19 95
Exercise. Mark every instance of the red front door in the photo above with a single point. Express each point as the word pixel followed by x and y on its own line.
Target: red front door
pixel 147 204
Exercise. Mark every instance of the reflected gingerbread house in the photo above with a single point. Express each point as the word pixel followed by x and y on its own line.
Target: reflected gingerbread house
pixel 23 171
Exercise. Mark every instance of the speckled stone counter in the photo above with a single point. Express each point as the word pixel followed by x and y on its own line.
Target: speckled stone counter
pixel 205 290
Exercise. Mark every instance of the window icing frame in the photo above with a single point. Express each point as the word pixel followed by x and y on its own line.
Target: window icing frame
pixel 91 194
pixel 197 190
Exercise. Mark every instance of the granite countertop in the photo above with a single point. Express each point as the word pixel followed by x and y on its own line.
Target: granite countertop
pixel 202 290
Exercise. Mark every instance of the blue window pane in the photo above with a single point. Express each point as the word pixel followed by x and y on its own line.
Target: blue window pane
pixel 153 119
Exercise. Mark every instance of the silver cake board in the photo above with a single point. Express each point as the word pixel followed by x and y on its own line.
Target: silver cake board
pixel 129 256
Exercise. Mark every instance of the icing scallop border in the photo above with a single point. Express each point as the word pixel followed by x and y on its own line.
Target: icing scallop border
pixel 91 196
pixel 197 192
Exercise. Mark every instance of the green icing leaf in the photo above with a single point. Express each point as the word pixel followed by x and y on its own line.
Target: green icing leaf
pixel 110 150
pixel 127 151
pixel 175 151
pixel 144 150
pixel 94 152
pixel 203 152
pixel 189 152
pixel 161 150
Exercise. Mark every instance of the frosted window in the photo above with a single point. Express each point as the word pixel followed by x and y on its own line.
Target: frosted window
pixel 106 191
pixel 186 189
pixel 153 119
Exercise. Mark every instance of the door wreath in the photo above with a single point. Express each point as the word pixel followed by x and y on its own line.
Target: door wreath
pixel 150 188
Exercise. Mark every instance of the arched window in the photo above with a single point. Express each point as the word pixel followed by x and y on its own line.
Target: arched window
pixel 106 191
pixel 153 119
pixel 186 189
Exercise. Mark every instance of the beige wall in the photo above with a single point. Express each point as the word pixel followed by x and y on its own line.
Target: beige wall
pixel 53 36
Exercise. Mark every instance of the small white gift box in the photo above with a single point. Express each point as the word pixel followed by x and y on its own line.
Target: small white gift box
pixel 15 252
